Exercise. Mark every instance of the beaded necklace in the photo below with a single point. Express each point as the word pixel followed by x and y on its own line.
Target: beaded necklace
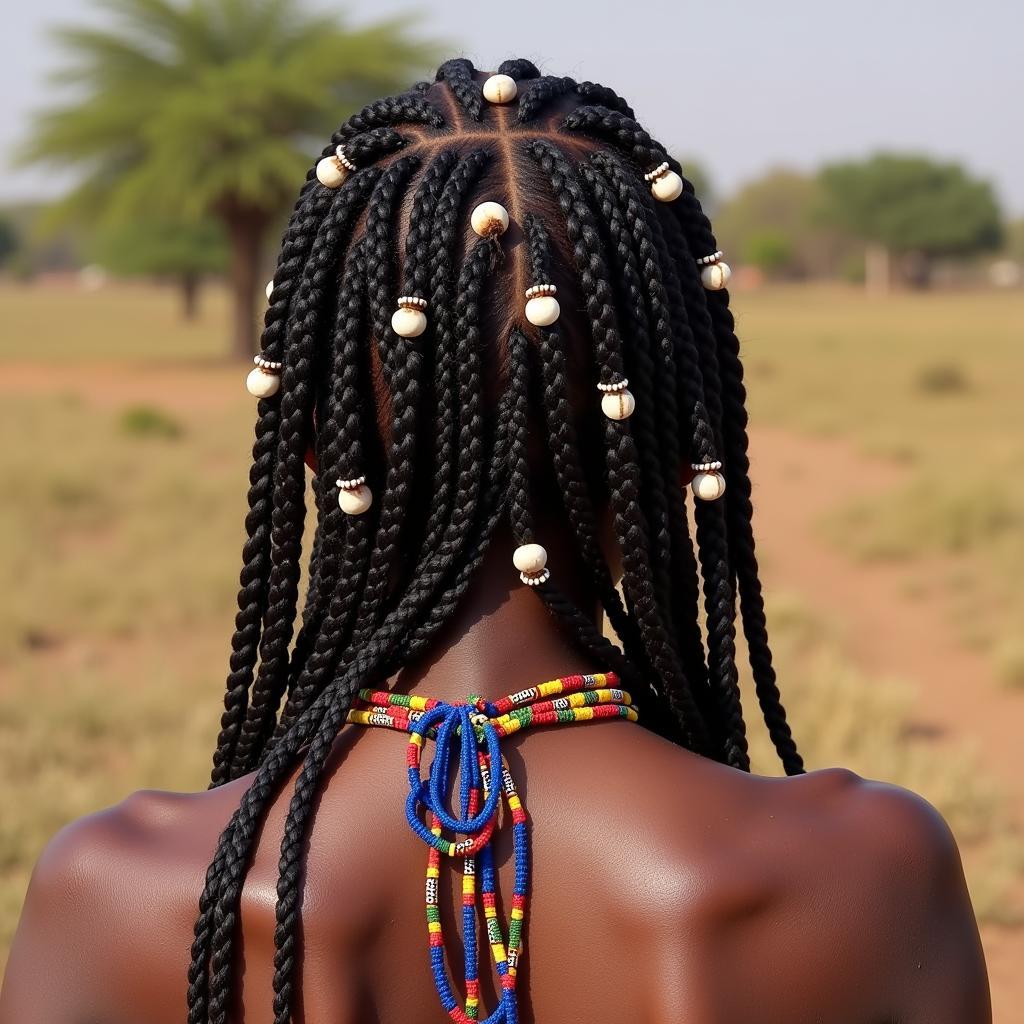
pixel 576 698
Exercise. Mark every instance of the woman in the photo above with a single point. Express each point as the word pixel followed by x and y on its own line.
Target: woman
pixel 498 332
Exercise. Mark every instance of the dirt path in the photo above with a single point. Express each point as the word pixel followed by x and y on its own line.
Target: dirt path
pixel 798 481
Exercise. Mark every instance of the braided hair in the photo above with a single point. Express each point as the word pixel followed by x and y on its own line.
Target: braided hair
pixel 408 419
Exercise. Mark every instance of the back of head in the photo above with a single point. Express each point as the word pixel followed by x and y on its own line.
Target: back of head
pixel 497 301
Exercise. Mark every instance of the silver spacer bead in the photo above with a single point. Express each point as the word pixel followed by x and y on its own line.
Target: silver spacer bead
pixel 411 302
pixel 537 578
pixel 267 364
pixel 705 467
pixel 706 261
pixel 350 485
pixel 615 388
pixel 541 289
pixel 344 160
pixel 657 172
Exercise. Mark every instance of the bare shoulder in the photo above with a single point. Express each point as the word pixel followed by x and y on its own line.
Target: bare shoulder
pixel 823 897
pixel 109 909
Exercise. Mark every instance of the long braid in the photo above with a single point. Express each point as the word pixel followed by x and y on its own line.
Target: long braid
pixel 289 505
pixel 411 415
pixel 620 451
pixel 739 507
pixel 665 327
pixel 564 447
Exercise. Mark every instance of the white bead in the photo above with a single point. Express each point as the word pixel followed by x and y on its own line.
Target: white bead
pixel 355 501
pixel 408 323
pixel 529 558
pixel 500 89
pixel 329 172
pixel 618 405
pixel 270 289
pixel 715 276
pixel 708 486
pixel 543 310
pixel 261 384
pixel 668 187
pixel 489 219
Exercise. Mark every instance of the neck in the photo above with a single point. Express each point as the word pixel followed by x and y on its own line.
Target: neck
pixel 501 637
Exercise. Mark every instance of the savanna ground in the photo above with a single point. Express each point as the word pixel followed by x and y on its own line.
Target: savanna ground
pixel 889 460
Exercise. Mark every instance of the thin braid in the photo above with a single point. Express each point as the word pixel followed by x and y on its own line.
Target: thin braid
pixel 254 576
pixel 518 69
pixel 407 108
pixel 564 447
pixel 289 505
pixel 459 76
pixel 340 450
pixel 302 802
pixel 739 508
pixel 539 94
pixel 520 516
pixel 620 451
pixel 669 332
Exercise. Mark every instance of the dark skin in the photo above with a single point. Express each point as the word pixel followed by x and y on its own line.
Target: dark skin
pixel 665 887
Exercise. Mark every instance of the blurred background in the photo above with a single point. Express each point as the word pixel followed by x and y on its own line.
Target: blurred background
pixel 864 170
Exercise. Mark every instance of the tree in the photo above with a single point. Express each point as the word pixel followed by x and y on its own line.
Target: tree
pixel 197 109
pixel 912 208
pixel 182 251
pixel 771 224
pixel 9 241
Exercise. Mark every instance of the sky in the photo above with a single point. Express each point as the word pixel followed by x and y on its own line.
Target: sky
pixel 741 85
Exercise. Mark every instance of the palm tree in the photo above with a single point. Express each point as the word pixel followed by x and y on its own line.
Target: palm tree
pixel 197 109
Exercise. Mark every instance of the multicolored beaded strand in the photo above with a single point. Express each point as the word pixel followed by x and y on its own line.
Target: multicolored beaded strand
pixel 577 698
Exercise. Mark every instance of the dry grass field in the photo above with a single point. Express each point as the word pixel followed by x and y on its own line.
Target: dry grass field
pixel 125 460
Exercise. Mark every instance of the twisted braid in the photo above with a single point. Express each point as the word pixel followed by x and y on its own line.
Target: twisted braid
pixel 459 76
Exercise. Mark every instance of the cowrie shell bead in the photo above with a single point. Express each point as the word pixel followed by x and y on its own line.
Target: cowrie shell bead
pixel 529 558
pixel 500 89
pixel 716 276
pixel 618 405
pixel 543 310
pixel 261 384
pixel 708 486
pixel 489 219
pixel 355 501
pixel 270 289
pixel 668 187
pixel 329 172
pixel 408 323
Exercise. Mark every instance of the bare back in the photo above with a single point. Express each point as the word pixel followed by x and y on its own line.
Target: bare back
pixel 665 887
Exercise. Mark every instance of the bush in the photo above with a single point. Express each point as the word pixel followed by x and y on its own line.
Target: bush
pixel 942 379
pixel 148 421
